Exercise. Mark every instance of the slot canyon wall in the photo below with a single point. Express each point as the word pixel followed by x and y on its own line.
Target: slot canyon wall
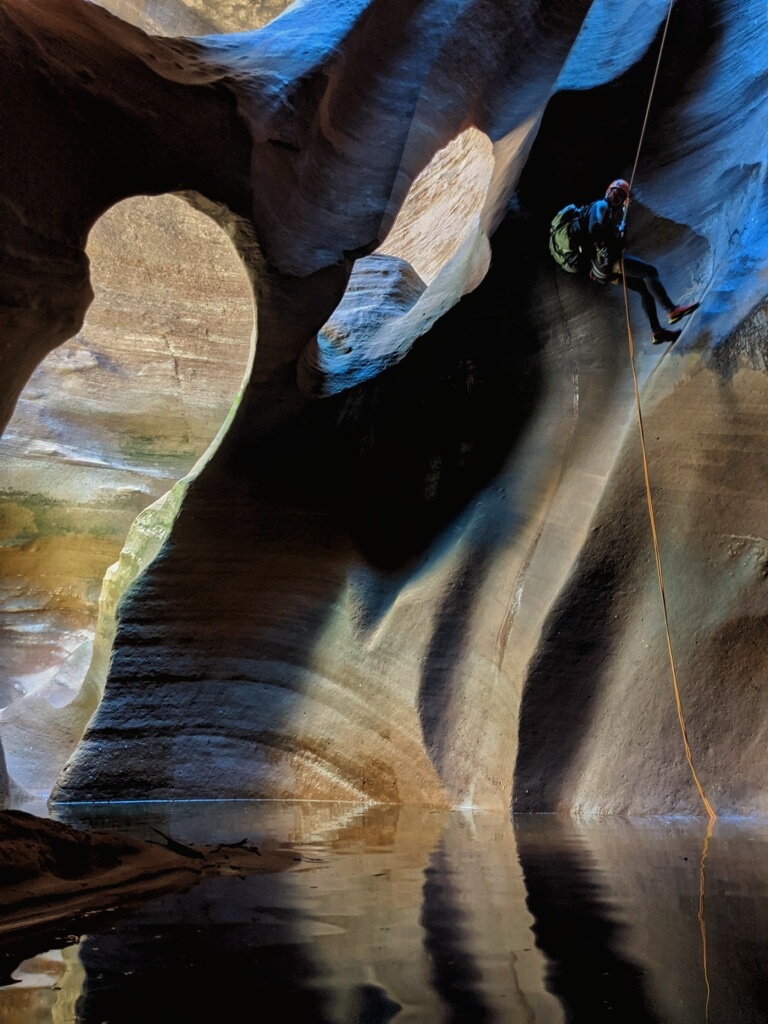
pixel 320 479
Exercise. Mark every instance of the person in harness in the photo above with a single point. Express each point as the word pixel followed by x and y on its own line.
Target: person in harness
pixel 590 239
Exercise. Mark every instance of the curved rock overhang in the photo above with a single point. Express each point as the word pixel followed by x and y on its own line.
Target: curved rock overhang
pixel 432 585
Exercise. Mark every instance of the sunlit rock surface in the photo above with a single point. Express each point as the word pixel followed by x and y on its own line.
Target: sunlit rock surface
pixel 418 567
pixel 108 423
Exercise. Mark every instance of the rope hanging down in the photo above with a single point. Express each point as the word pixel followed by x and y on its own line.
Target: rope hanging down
pixel 649 498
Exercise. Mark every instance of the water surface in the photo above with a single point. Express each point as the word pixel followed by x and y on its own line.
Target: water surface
pixel 392 914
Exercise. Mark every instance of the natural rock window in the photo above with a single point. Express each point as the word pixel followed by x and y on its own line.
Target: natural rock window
pixel 109 422
pixel 437 249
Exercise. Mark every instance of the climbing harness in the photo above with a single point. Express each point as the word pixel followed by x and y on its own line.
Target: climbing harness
pixel 657 553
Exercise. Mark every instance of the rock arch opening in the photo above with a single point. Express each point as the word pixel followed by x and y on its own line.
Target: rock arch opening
pixel 106 431
pixel 436 251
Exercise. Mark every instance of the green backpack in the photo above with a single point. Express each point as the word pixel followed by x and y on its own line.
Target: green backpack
pixel 564 236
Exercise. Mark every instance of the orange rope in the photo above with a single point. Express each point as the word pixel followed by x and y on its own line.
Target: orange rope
pixel 652 516
pixel 650 94
pixel 700 915
pixel 657 554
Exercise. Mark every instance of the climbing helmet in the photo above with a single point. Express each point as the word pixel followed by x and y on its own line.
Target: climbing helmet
pixel 619 185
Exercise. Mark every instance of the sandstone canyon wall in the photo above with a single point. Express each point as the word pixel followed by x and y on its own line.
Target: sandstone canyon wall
pixel 415 564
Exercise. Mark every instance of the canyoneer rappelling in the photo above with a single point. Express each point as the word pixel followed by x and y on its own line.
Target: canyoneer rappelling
pixel 590 240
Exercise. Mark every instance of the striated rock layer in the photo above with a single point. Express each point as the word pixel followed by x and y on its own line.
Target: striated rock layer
pixel 418 566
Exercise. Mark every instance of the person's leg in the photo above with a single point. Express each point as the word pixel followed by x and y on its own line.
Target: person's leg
pixel 643 278
pixel 637 284
pixel 648 276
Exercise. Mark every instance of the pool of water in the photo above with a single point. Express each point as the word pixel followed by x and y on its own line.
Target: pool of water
pixel 392 914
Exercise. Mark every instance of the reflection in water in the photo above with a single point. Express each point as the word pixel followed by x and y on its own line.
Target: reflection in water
pixel 389 914
pixel 635 928
pixel 580 931
pixel 702 916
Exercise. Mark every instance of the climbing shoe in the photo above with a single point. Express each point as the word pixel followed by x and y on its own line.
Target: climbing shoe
pixel 662 335
pixel 680 311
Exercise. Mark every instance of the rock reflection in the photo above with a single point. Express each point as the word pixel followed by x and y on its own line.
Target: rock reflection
pixel 636 930
pixel 391 914
pixel 578 929
pixel 387 914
